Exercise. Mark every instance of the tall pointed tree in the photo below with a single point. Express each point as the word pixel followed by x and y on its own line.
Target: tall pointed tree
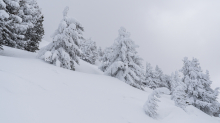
pixel 149 80
pixel 100 53
pixel 33 15
pixel 64 51
pixel 159 78
pixel 124 62
pixel 12 28
pixel 178 89
pixel 3 21
pixel 199 92
pixel 18 18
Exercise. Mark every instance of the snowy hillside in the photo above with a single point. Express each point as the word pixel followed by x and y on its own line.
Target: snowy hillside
pixel 33 91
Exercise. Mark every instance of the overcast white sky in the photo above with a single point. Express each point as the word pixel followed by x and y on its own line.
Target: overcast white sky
pixel 165 30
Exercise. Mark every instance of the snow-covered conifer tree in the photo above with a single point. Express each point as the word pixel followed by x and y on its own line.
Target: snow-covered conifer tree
pixel 165 81
pixel 64 50
pixel 199 92
pixel 178 89
pixel 175 81
pixel 3 21
pixel 149 81
pixel 32 14
pixel 105 58
pixel 123 61
pixel 100 53
pixel 11 26
pixel 22 16
pixel 179 96
pixel 89 51
pixel 159 78
pixel 150 106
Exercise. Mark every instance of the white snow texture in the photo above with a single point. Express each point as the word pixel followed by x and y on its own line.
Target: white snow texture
pixel 32 91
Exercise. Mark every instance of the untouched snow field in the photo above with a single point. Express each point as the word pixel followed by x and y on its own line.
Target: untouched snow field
pixel 33 91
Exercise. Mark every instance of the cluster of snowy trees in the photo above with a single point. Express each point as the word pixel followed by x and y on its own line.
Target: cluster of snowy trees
pixel 21 24
pixel 156 78
pixel 198 90
pixel 194 88
pixel 122 61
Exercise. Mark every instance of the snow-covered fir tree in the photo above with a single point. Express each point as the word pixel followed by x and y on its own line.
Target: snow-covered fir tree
pixel 19 17
pixel 150 106
pixel 105 58
pixel 158 77
pixel 123 62
pixel 149 80
pixel 179 96
pixel 89 51
pixel 11 26
pixel 64 51
pixel 165 81
pixel 175 81
pixel 199 92
pixel 3 20
pixel 178 89
pixel 34 34
pixel 100 53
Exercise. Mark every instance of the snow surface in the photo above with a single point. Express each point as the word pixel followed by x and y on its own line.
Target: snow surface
pixel 33 91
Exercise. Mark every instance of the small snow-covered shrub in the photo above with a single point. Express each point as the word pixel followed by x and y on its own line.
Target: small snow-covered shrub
pixel 150 106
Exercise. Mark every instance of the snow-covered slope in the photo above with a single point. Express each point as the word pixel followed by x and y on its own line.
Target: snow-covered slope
pixel 33 91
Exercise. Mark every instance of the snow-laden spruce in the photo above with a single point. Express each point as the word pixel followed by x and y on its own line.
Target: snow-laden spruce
pixel 3 16
pixel 150 106
pixel 178 89
pixel 100 53
pixel 18 20
pixel 11 26
pixel 175 81
pixel 89 51
pixel 158 74
pixel 149 81
pixel 32 14
pixel 199 92
pixel 122 61
pixel 105 58
pixel 64 51
pixel 161 79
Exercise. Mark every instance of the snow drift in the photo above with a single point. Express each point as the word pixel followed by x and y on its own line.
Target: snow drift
pixel 33 91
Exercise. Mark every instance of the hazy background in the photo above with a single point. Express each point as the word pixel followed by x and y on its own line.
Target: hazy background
pixel 165 30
